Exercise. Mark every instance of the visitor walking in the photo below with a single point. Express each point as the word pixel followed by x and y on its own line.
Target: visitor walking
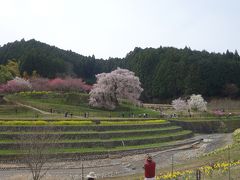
pixel 91 176
pixel 66 114
pixel 149 168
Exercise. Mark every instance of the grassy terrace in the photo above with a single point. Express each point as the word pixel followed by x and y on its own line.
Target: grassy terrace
pixel 146 137
pixel 77 104
pixel 50 118
pixel 157 146
pixel 76 122
pixel 94 132
pixel 115 135
pixel 12 111
pixel 103 131
pixel 99 149
pixel 209 125
pixel 209 118
pixel 93 135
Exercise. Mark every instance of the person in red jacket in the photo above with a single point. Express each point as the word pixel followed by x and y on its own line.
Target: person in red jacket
pixel 149 167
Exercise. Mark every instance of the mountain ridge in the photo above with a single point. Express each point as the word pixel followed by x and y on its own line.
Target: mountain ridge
pixel 165 72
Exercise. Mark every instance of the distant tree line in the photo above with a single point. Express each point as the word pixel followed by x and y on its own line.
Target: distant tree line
pixel 168 72
pixel 165 72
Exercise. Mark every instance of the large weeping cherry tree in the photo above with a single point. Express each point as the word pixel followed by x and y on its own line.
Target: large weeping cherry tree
pixel 110 87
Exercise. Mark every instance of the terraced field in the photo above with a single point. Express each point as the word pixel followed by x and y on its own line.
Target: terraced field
pixel 90 137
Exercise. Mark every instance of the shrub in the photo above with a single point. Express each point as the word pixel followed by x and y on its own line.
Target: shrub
pixel 132 122
pixel 23 123
pixel 72 123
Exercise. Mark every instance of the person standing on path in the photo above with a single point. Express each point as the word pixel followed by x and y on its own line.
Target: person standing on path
pixel 149 168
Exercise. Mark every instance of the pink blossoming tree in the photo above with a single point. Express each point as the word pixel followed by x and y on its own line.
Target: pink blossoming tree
pixel 40 84
pixel 113 86
pixel 179 104
pixel 16 85
pixel 44 84
pixel 59 84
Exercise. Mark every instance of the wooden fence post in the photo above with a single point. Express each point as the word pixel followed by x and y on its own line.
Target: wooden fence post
pixel 82 172
pixel 198 174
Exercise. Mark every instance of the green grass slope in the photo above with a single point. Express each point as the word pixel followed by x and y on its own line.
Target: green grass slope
pixel 76 104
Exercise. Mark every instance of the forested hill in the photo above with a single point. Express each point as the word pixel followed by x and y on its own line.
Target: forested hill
pixel 50 61
pixel 165 72
pixel 169 72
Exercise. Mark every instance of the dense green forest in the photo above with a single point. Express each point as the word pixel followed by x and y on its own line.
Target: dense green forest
pixel 50 61
pixel 165 72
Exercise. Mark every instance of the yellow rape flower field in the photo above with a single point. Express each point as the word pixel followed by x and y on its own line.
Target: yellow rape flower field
pixel 208 172
pixel 216 170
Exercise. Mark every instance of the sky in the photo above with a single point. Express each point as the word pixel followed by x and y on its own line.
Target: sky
pixel 112 28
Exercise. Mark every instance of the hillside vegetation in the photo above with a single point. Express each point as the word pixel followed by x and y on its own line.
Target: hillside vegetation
pixel 73 103
pixel 164 72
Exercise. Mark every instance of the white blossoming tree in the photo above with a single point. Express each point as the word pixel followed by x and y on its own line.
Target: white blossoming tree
pixel 110 87
pixel 197 103
pixel 179 104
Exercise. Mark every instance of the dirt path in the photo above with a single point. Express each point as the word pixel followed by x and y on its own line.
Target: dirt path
pixel 39 110
pixel 27 106
pixel 122 166
pixel 33 108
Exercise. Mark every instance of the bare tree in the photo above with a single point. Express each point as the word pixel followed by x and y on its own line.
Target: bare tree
pixel 37 149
